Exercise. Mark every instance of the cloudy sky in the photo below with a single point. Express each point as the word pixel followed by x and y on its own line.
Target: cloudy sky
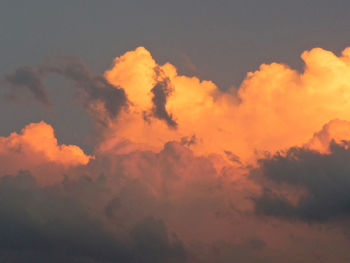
pixel 174 131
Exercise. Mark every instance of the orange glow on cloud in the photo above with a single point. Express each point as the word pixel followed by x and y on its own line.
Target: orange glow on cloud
pixel 276 107
pixel 35 146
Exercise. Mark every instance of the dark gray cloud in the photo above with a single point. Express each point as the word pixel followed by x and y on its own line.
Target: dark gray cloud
pixel 31 79
pixel 244 252
pixel 233 157
pixel 188 141
pixel 92 88
pixel 152 243
pixel 161 91
pixel 47 224
pixel 324 177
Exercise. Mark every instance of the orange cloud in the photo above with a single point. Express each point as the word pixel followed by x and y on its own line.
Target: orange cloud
pixel 36 146
pixel 276 107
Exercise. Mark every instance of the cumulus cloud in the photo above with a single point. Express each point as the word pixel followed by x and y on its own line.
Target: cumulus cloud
pixel 36 147
pixel 268 103
pixel 275 107
pixel 153 193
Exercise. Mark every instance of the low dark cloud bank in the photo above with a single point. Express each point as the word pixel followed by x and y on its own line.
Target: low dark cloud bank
pixel 169 206
pixel 50 225
pixel 141 207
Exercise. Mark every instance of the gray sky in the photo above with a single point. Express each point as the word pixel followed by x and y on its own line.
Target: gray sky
pixel 221 39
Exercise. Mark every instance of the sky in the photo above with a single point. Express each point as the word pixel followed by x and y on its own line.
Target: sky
pixel 174 131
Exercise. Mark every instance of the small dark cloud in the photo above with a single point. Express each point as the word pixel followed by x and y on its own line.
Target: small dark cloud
pixel 324 177
pixel 233 157
pixel 188 141
pixel 92 88
pixel 161 91
pixel 28 78
pixel 95 88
